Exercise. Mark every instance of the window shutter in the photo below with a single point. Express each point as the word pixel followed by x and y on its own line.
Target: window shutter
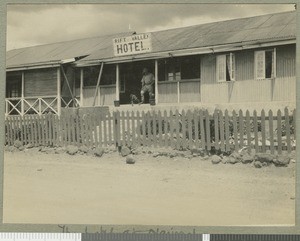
pixel 232 67
pixel 260 64
pixel 274 64
pixel 221 68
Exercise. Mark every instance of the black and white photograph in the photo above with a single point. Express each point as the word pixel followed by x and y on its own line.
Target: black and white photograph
pixel 150 114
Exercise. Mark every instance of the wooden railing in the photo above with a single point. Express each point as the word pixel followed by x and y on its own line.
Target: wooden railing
pixel 36 105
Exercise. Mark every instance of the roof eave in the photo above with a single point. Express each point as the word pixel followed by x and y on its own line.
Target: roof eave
pixel 184 52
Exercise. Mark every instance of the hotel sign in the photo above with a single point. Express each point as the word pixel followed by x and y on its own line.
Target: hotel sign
pixel 131 45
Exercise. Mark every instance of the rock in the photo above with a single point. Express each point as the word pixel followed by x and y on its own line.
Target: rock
pixel 59 150
pixel 72 150
pixel 236 155
pixel 198 152
pixel 281 161
pixel 264 157
pixel 293 161
pixel 17 143
pixel 156 154
pixel 21 148
pixel 90 153
pixel 215 159
pixel 233 160
pixel 29 146
pixel 130 159
pixel 225 159
pixel 172 155
pixel 83 149
pixel 247 158
pixel 12 149
pixel 257 164
pixel 99 151
pixel 125 151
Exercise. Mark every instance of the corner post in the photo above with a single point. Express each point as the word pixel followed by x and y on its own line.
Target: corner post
pixel 81 86
pixel 117 82
pixel 22 94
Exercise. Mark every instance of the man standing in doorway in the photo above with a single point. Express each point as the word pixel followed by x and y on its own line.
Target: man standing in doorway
pixel 147 84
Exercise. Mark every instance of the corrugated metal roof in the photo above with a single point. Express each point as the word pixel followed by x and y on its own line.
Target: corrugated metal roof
pixel 54 53
pixel 269 27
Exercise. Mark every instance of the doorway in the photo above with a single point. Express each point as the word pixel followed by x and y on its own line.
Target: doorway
pixel 130 79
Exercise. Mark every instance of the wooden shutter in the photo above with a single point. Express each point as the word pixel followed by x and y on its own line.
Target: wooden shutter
pixel 221 68
pixel 274 63
pixel 231 67
pixel 260 64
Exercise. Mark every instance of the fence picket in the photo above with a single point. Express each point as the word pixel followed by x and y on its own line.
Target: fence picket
pixel 227 134
pixel 190 131
pixel 184 131
pixel 287 129
pixel 263 131
pixel 166 127
pixel 202 129
pixel 248 128
pixel 159 119
pixel 221 125
pixel 128 132
pixel 279 132
pixel 271 134
pixel 208 139
pixel 241 128
pixel 143 134
pixel 138 128
pixel 196 125
pixel 235 130
pixel 294 123
pixel 255 130
pixel 177 123
pixel 216 129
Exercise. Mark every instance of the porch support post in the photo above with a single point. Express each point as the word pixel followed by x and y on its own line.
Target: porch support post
pixel 178 91
pixel 58 92
pixel 117 82
pixel 156 81
pixel 98 84
pixel 81 87
pixel 22 94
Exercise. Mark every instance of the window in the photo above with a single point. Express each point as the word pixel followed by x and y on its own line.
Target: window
pixel 179 68
pixel 265 64
pixel 225 67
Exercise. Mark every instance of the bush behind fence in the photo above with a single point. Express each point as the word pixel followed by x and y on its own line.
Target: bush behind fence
pixel 222 131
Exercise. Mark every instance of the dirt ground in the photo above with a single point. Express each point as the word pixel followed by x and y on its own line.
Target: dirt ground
pixel 63 189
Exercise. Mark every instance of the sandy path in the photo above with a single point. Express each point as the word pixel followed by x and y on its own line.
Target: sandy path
pixel 51 188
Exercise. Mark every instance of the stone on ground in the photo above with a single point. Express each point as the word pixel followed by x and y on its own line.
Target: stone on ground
pixel 257 164
pixel 125 151
pixel 247 158
pixel 99 151
pixel 130 159
pixel 17 143
pixel 281 161
pixel 216 159
pixel 83 149
pixel 264 158
pixel 72 150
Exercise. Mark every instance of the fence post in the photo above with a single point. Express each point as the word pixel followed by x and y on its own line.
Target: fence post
pixel 116 128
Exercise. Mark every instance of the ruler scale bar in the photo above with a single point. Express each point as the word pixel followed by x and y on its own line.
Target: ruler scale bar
pixel 144 237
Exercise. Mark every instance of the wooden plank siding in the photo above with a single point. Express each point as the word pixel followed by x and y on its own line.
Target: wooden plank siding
pixel 107 95
pixel 167 92
pixel 189 91
pixel 245 88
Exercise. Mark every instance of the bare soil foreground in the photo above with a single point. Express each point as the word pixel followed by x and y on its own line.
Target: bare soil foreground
pixel 45 187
